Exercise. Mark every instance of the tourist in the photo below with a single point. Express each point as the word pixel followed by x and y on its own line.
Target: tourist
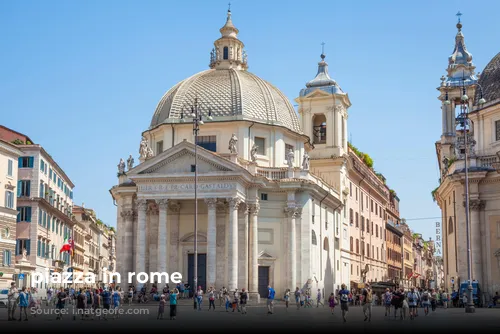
pixel 12 301
pixel 331 302
pixel 161 308
pixel 173 304
pixel 211 298
pixel 243 301
pixel 367 303
pixel 199 297
pixel 426 302
pixel 61 300
pixel 433 300
pixel 116 297
pixel 412 302
pixel 286 297
pixel 23 304
pixel 319 298
pixel 80 302
pixel 297 297
pixel 228 301
pixel 387 301
pixel 444 298
pixel 344 299
pixel 130 295
pixel 270 300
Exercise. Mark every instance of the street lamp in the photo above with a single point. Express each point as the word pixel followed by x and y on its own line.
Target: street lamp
pixel 463 120
pixel 197 121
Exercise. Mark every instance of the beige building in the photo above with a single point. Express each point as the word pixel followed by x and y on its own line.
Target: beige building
pixel 462 89
pixel 9 155
pixel 367 202
pixel 408 259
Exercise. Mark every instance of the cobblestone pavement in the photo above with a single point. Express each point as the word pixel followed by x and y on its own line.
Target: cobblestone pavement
pixel 487 320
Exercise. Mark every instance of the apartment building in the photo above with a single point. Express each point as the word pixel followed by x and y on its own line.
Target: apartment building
pixel 44 208
pixel 9 155
pixel 394 239
pixel 368 197
pixel 408 261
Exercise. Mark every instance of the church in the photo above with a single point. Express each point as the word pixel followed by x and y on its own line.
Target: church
pixel 470 109
pixel 266 185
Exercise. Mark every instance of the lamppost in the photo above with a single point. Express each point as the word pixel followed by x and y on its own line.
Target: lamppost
pixel 463 120
pixel 197 121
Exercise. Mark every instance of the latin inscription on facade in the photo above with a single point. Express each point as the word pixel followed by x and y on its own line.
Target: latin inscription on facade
pixel 185 187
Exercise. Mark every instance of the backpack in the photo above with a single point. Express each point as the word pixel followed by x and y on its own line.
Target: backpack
pixel 343 297
pixel 411 297
pixel 425 297
pixel 89 297
pixel 369 297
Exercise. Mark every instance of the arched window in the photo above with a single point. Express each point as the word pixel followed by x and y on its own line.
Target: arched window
pixel 326 245
pixel 226 53
pixel 314 241
pixel 450 226
pixel 319 129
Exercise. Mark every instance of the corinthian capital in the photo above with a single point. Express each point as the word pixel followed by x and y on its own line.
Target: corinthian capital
pixel 477 204
pixel 174 207
pixel 142 204
pixel 234 203
pixel 127 214
pixel 162 203
pixel 211 203
pixel 254 209
pixel 293 212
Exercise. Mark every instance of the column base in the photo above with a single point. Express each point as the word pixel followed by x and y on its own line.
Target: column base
pixel 253 298
pixel 470 309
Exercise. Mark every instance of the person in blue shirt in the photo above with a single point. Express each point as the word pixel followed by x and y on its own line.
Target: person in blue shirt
pixel 270 300
pixel 116 302
pixel 173 304
pixel 23 304
pixel 106 301
pixel 344 301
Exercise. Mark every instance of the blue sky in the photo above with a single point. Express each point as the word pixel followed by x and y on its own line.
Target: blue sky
pixel 82 78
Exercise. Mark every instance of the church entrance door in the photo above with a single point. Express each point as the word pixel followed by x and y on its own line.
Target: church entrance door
pixel 202 273
pixel 263 281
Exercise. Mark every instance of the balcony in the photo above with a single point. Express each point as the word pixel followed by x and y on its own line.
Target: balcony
pixel 273 173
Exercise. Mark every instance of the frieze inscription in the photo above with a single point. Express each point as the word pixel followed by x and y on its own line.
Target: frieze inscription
pixel 185 187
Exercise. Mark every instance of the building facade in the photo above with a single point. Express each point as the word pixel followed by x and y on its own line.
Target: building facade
pixel 262 216
pixel 44 202
pixel 408 260
pixel 394 244
pixel 9 155
pixel 467 95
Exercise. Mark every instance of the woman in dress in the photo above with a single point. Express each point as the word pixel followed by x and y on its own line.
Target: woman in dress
pixel 287 298
pixel 331 302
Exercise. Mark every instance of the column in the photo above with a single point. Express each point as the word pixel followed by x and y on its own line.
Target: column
pixel 125 250
pixel 211 241
pixel 233 243
pixel 476 207
pixel 173 259
pixel 253 286
pixel 140 259
pixel 292 247
pixel 221 271
pixel 162 235
pixel 243 247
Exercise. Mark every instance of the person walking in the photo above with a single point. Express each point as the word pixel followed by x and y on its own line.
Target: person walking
pixel 387 301
pixel 173 304
pixel 130 295
pixel 286 297
pixel 80 302
pixel 444 298
pixel 331 302
pixel 236 300
pixel 106 302
pixel 243 301
pixel 367 303
pixel 161 307
pixel 319 299
pixel 12 301
pixel 434 300
pixel 23 304
pixel 211 298
pixel 199 297
pixel 297 297
pixel 412 302
pixel 270 300
pixel 344 299
pixel 116 297
pixel 425 302
pixel 228 301
pixel 61 301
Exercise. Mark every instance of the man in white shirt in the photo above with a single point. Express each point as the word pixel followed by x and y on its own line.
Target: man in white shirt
pixel 412 302
pixel 12 301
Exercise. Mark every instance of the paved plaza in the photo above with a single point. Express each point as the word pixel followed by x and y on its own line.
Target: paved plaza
pixel 487 320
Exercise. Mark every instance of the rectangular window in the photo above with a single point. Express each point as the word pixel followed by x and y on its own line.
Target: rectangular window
pixel 26 162
pixel 50 173
pixel 9 199
pixel 357 220
pixel 497 130
pixel 350 189
pixel 289 147
pixel 261 145
pixel 367 250
pixel 57 227
pixel 22 244
pixel 42 165
pixel 207 142
pixel 371 205
pixel 159 147
pixel 263 197
pixel 193 168
pixel 7 258
pixel 376 231
pixel 44 220
pixel 39 248
pixel 362 206
pixel 362 223
pixel 356 193
pixel 351 244
pixel 24 187
pixel 10 167
pixel 367 226
pixel 357 246
pixel 24 214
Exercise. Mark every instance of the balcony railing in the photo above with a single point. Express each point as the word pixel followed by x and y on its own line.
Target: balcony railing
pixel 273 173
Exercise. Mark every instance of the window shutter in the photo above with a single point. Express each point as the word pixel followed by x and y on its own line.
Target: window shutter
pixel 28 244
pixel 28 214
pixel 20 162
pixel 30 162
pixel 17 246
pixel 19 188
pixel 38 248
pixel 28 188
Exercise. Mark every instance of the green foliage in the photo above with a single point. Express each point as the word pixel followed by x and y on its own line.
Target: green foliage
pixel 29 143
pixel 433 193
pixel 17 142
pixel 451 161
pixel 99 222
pixel 381 177
pixel 363 156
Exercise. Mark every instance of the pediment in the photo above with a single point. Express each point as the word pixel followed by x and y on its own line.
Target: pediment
pixel 180 159
pixel 264 255
pixel 317 93
pixel 190 238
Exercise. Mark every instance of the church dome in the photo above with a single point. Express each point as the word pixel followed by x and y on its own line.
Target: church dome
pixel 230 94
pixel 227 90
pixel 490 81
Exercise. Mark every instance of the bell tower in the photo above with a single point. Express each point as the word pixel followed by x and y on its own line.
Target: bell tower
pixel 323 114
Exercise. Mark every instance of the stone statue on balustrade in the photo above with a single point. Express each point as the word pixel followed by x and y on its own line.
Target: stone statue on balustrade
pixel 145 151
pixel 306 161
pixel 253 153
pixel 290 157
pixel 121 167
pixel 232 144
pixel 130 162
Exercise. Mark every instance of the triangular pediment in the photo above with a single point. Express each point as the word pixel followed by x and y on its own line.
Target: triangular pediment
pixel 179 160
pixel 317 93
pixel 265 255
